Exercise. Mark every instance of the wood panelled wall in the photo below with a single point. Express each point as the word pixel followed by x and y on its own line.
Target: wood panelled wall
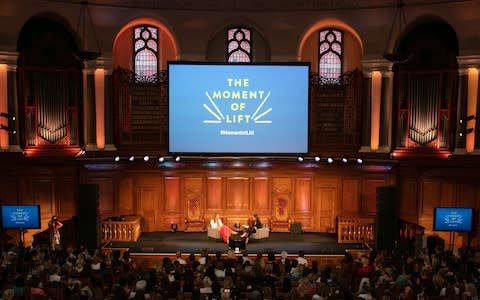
pixel 312 197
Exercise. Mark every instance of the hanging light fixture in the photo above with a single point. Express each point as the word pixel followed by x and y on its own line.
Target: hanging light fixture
pixel 86 33
pixel 399 24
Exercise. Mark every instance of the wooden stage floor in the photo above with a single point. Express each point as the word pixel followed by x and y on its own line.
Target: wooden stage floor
pixel 194 242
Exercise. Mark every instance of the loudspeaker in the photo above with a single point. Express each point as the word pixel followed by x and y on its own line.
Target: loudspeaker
pixel 296 228
pixel 88 216
pixel 386 229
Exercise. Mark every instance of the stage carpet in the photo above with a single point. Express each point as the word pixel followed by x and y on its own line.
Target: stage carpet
pixel 194 242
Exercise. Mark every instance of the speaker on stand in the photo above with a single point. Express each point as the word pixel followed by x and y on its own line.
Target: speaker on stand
pixel 386 219
pixel 88 216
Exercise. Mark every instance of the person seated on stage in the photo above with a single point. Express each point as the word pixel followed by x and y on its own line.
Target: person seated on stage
pixel 224 230
pixel 254 223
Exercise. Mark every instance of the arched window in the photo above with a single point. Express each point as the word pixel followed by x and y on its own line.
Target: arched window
pixel 145 52
pixel 330 55
pixel 239 45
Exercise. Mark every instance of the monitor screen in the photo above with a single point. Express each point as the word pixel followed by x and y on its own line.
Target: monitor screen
pixel 238 108
pixel 21 216
pixel 453 219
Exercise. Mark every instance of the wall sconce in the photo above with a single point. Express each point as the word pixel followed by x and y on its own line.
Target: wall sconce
pixel 6 128
pixel 465 132
pixel 8 116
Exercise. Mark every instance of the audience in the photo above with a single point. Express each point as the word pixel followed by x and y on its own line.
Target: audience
pixel 44 273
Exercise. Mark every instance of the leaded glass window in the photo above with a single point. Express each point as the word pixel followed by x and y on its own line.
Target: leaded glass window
pixel 330 55
pixel 239 45
pixel 145 52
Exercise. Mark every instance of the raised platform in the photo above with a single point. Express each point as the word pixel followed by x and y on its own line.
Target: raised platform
pixel 195 242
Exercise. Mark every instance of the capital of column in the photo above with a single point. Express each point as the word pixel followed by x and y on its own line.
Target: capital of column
pixel 382 65
pixel 466 62
pixel 10 59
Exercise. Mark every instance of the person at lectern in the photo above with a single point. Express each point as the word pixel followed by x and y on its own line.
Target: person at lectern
pixel 53 230
pixel 225 231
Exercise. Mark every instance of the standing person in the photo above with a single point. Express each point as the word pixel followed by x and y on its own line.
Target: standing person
pixel 53 230
pixel 225 231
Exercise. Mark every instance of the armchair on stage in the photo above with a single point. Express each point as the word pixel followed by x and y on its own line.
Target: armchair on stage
pixel 213 232
pixel 261 233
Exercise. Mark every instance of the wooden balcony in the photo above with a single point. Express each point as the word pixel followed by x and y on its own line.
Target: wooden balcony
pixel 121 229
pixel 355 230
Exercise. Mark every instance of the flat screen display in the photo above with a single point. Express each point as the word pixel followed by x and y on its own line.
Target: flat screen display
pixel 453 219
pixel 238 108
pixel 20 216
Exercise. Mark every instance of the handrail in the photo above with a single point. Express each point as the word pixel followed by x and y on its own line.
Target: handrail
pixel 121 229
pixel 355 230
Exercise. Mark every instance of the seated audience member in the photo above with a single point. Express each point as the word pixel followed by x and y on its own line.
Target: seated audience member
pixel 301 258
pixel 178 257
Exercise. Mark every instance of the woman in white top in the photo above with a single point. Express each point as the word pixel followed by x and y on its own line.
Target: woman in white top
pixel 225 231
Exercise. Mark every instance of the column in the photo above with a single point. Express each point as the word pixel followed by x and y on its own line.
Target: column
pixel 472 98
pixel 100 108
pixel 467 138
pixel 380 106
pixel 9 139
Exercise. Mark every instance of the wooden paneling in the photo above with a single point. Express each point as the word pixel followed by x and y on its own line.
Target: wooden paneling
pixel 193 194
pixel 125 203
pixel 148 199
pixel 465 195
pixel 408 200
pixel 237 193
pixel 65 193
pixel 42 193
pixel 324 216
pixel 214 194
pixel 349 204
pixel 369 195
pixel 303 192
pixel 431 195
pixel 105 194
pixel 261 201
pixel 172 203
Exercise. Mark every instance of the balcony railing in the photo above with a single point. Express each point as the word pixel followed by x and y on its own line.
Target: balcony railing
pixel 121 229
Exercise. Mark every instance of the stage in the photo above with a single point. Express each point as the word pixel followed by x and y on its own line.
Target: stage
pixel 194 242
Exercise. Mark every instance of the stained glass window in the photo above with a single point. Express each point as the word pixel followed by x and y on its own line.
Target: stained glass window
pixel 145 51
pixel 330 55
pixel 239 45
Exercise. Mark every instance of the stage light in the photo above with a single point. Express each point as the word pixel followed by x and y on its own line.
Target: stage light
pixel 300 159
pixel 344 160
pixel 359 160
pixel 146 158
pixel 317 158
pixel 131 158
pixel 161 159
pixel 117 158
pixel 330 160
pixel 177 159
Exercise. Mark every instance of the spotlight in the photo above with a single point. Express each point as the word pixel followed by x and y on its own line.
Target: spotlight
pixel 131 158
pixel 330 160
pixel 317 158
pixel 117 158
pixel 359 160
pixel 177 159
pixel 146 158
pixel 344 160
pixel 300 159
pixel 161 159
